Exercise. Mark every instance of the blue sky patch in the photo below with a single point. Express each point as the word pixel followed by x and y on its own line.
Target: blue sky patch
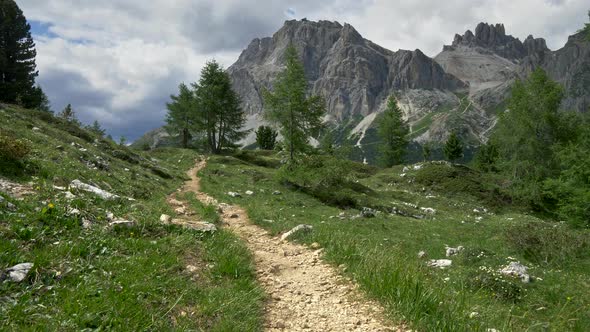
pixel 42 29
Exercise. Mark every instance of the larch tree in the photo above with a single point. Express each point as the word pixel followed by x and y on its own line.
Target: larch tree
pixel 298 115
pixel 393 132
pixel 218 108
pixel 17 59
pixel 182 114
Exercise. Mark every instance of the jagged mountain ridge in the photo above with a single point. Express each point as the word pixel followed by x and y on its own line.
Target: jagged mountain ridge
pixel 461 89
pixel 354 75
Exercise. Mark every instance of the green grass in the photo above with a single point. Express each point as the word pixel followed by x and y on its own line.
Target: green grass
pixel 381 253
pixel 104 278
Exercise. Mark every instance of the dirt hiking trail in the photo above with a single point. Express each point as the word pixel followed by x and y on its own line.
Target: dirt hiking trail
pixel 304 293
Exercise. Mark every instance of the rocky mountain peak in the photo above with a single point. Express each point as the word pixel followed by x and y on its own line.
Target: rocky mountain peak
pixel 492 38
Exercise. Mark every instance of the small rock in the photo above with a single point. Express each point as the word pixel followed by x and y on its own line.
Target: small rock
pixel 440 263
pixel 305 228
pixel 11 206
pixel 86 223
pixel 474 314
pixel 110 216
pixel 175 202
pixel 69 196
pixel 18 272
pixel 165 219
pixel 36 129
pixel 59 188
pixel 276 193
pixel 95 190
pixel 426 210
pixel 234 194
pixel 518 270
pixel 122 223
pixel 200 226
pixel 315 245
pixel 422 254
pixel 368 212
pixel 454 251
pixel 249 193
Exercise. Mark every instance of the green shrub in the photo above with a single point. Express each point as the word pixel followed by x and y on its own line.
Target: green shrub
pixel 498 286
pixel 459 179
pixel 331 180
pixel 548 244
pixel 12 148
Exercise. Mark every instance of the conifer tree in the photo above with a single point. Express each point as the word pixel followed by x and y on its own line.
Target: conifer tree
pixel 266 138
pixel 218 108
pixel 182 114
pixel 453 148
pixel 393 132
pixel 97 128
pixel 288 105
pixel 69 115
pixel 17 58
pixel 426 151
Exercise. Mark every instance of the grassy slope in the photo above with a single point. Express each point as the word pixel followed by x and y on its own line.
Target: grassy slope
pixel 124 279
pixel 381 253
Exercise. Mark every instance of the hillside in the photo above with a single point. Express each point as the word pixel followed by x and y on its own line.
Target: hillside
pixel 104 259
pixel 437 244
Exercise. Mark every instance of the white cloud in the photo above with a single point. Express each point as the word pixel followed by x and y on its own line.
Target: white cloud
pixel 118 61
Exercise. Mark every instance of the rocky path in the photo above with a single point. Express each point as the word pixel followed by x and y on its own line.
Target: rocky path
pixel 305 294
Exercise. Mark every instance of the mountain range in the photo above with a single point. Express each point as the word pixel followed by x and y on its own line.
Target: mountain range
pixel 461 89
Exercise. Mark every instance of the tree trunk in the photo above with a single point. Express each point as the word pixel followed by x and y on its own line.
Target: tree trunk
pixel 185 138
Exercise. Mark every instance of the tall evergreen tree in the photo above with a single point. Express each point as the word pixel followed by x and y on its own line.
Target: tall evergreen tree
pixel 393 132
pixel 182 114
pixel 453 148
pixel 69 115
pixel 97 128
pixel 288 105
pixel 17 58
pixel 218 106
pixel 266 138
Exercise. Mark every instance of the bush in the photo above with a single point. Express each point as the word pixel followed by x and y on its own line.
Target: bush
pixel 458 179
pixel 499 286
pixel 548 244
pixel 13 149
pixel 328 179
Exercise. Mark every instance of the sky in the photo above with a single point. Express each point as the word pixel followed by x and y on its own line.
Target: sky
pixel 118 61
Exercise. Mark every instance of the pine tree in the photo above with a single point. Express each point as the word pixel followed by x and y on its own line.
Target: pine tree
pixel 182 114
pixel 69 115
pixel 427 151
pixel 17 58
pixel 453 148
pixel 393 132
pixel 298 116
pixel 97 128
pixel 218 108
pixel 266 138
pixel 327 142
